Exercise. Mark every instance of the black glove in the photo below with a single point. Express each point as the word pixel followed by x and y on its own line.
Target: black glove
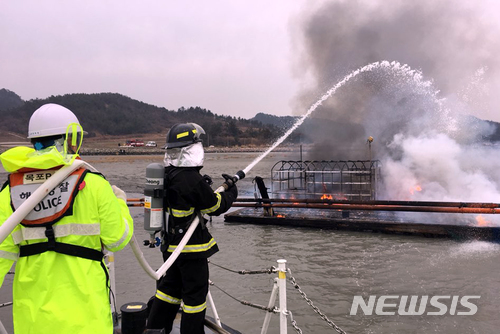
pixel 233 191
pixel 230 181
pixel 230 185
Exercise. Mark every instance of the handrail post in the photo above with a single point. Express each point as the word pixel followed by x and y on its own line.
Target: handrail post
pixel 272 301
pixel 282 295
pixel 214 310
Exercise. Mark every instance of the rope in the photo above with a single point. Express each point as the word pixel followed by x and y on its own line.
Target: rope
pixel 247 272
pixel 244 302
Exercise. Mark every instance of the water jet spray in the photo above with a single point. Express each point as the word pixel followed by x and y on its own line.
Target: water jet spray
pixel 396 67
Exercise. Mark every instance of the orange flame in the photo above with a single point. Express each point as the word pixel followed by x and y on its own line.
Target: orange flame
pixel 333 197
pixel 481 221
pixel 415 188
pixel 280 216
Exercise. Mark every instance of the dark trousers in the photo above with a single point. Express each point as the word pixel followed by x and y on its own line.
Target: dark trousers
pixel 186 280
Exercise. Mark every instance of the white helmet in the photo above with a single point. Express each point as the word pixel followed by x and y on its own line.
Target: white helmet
pixel 50 120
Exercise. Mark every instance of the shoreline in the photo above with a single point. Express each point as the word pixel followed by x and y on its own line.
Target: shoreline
pixel 159 151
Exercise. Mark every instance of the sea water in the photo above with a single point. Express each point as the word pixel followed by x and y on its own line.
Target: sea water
pixel 331 267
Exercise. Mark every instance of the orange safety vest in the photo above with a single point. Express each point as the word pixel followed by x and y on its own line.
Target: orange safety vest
pixel 57 204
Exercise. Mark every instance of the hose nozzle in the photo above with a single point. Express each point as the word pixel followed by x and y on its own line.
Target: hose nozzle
pixel 240 175
pixel 231 180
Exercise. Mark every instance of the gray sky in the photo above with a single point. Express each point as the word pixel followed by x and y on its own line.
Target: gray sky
pixel 231 57
pixel 235 58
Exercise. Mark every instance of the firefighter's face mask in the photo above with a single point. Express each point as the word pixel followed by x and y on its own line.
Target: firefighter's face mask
pixel 188 156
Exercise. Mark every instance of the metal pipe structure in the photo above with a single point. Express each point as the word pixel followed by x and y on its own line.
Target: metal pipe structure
pixel 413 206
pixel 135 200
pixel 135 204
pixel 385 202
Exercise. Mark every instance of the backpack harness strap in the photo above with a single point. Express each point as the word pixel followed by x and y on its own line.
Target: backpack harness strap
pixel 59 247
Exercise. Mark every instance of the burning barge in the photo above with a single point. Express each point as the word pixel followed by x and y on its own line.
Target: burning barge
pixel 341 195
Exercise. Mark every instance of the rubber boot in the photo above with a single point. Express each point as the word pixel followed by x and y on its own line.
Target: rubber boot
pixel 162 315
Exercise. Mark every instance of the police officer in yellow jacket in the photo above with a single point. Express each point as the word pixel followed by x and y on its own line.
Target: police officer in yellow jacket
pixel 187 195
pixel 61 283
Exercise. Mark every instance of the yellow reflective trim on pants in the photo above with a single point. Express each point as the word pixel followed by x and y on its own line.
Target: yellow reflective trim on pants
pixel 182 213
pixel 215 207
pixel 194 309
pixel 194 248
pixel 166 298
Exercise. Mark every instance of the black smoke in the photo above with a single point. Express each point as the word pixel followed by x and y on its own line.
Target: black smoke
pixel 454 45
pixel 425 134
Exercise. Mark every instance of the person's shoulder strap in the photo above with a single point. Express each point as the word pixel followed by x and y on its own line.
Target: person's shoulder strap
pixel 5 184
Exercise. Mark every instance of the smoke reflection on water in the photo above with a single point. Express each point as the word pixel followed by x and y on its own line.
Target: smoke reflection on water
pixel 331 267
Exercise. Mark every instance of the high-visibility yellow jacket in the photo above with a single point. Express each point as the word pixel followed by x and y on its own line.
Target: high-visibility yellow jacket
pixel 55 292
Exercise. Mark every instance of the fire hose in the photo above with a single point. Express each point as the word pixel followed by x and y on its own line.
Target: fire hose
pixel 156 275
pixel 17 216
pixel 38 195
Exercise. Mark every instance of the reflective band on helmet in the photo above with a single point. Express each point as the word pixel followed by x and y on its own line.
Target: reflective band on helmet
pixel 182 134
pixel 166 298
pixel 194 309
pixel 194 248
pixel 74 138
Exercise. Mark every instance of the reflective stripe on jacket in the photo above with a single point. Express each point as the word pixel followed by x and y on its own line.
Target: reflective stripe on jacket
pixel 58 293
pixel 188 195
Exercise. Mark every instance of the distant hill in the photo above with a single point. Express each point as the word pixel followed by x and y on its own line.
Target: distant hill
pixel 9 100
pixel 112 114
pixel 279 121
pixel 344 131
pixel 117 115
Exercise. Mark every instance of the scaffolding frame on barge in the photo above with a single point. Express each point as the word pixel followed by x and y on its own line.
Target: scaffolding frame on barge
pixel 349 180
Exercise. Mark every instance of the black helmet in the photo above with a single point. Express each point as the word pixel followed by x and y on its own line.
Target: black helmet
pixel 183 134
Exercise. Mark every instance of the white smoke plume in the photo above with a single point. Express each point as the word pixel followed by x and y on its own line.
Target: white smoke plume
pixel 429 146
